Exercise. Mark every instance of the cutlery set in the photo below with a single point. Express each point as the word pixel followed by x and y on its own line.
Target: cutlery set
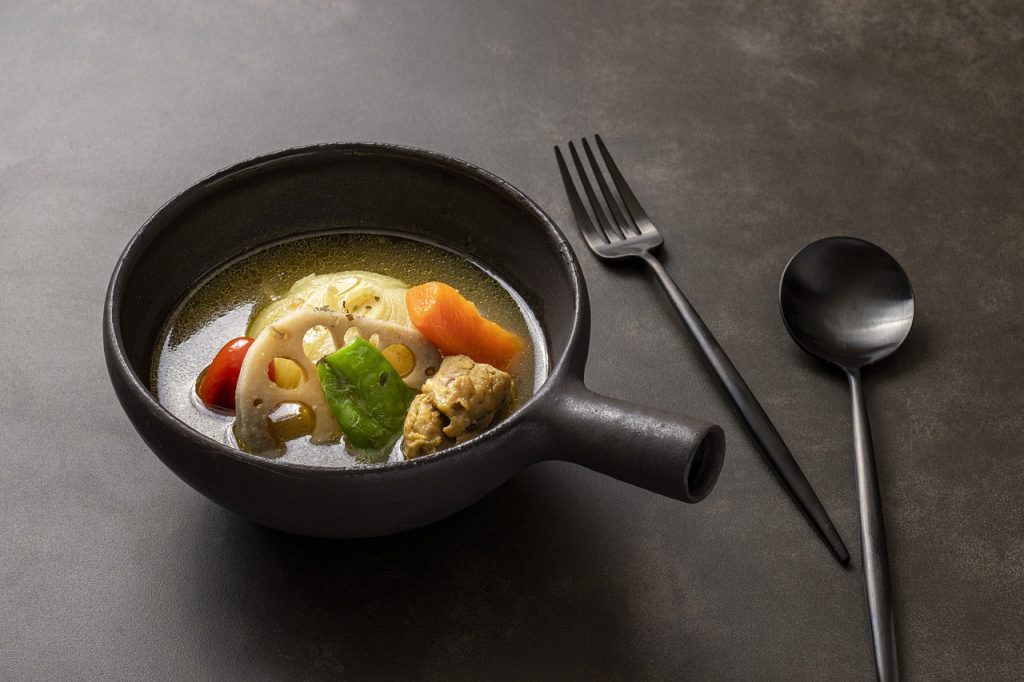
pixel 842 299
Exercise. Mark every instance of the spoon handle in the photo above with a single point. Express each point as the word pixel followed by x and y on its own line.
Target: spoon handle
pixel 773 449
pixel 872 531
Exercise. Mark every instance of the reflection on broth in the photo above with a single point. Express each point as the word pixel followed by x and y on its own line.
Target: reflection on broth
pixel 348 349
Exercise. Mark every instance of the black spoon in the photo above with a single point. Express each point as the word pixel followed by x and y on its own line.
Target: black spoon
pixel 849 302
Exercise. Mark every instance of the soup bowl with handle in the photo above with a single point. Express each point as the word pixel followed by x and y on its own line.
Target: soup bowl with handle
pixel 422 195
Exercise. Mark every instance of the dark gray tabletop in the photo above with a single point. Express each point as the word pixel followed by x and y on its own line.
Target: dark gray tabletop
pixel 748 130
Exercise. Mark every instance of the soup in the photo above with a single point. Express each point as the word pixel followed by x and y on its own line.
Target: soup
pixel 348 349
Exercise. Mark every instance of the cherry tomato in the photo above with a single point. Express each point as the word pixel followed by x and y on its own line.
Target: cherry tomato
pixel 217 387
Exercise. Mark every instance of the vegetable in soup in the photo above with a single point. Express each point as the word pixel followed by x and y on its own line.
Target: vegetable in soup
pixel 348 349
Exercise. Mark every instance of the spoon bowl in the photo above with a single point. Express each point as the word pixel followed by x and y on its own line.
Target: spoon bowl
pixel 847 301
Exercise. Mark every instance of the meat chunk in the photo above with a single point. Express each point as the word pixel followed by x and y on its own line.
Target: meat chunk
pixel 468 393
pixel 422 428
pixel 457 403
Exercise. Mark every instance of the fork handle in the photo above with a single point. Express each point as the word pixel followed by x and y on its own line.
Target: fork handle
pixel 772 447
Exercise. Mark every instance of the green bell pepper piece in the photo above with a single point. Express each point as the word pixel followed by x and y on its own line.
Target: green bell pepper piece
pixel 365 394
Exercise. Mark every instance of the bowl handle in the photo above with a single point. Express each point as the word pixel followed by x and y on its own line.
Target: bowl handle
pixel 673 455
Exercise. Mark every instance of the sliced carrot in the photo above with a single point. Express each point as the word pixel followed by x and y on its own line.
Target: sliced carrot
pixel 454 325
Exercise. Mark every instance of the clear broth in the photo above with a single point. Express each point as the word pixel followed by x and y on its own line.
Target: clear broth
pixel 221 307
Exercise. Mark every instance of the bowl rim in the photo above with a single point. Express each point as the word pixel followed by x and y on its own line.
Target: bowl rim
pixel 140 240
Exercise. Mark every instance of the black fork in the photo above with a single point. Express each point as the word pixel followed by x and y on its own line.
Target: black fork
pixel 623 230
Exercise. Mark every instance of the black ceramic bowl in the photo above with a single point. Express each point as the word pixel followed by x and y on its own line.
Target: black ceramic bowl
pixel 422 194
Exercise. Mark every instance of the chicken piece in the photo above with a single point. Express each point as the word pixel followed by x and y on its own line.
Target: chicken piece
pixel 468 393
pixel 422 428
pixel 457 403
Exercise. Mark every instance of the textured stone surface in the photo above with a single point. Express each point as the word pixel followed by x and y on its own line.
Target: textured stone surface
pixel 748 130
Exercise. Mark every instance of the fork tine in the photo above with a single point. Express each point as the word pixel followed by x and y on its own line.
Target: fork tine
pixel 595 204
pixel 637 212
pixel 590 233
pixel 625 225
